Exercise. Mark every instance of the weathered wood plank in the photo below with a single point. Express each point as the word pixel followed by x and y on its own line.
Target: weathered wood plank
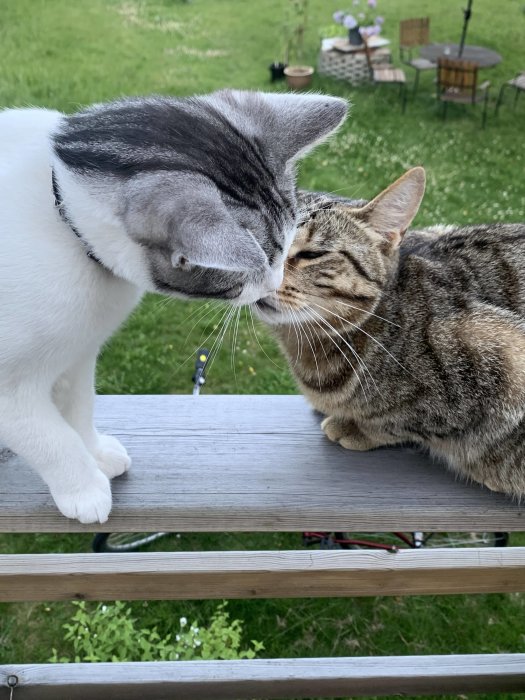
pixel 271 678
pixel 259 463
pixel 287 574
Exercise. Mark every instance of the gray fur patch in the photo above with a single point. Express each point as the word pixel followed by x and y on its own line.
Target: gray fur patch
pixel 208 180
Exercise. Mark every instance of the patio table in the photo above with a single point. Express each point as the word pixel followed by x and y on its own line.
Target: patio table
pixel 485 58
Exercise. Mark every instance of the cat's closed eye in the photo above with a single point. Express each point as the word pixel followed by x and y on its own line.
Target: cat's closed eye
pixel 309 254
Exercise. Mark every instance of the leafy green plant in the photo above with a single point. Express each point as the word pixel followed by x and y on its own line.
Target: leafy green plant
pixel 295 27
pixel 109 632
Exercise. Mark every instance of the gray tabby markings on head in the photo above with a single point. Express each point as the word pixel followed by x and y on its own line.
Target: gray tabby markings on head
pixel 205 180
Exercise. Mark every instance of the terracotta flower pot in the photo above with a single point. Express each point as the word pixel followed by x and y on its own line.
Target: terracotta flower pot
pixel 298 77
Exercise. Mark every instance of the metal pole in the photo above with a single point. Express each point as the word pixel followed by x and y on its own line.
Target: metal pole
pixel 467 13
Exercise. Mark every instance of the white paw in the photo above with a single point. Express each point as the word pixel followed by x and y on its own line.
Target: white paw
pixel 331 428
pixel 111 456
pixel 91 504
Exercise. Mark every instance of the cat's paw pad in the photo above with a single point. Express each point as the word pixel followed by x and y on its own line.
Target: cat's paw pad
pixel 331 427
pixel 111 456
pixel 91 504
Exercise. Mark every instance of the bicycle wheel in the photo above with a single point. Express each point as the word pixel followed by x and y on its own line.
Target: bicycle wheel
pixel 389 541
pixel 402 540
pixel 124 541
pixel 463 539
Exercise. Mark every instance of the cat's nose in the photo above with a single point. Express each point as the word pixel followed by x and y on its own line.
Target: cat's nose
pixel 274 279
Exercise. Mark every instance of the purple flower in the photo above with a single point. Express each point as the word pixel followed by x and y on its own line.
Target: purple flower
pixel 338 17
pixel 372 3
pixel 380 20
pixel 370 30
pixel 350 22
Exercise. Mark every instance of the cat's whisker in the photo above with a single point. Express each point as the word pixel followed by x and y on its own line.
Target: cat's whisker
pixel 203 342
pixel 325 199
pixel 365 332
pixel 259 343
pixel 219 327
pixel 205 312
pixel 219 339
pixel 160 304
pixel 353 350
pixel 294 326
pixel 342 188
pixel 300 329
pixel 299 336
pixel 370 313
pixel 347 359
pixel 201 308
pixel 314 330
pixel 304 326
pixel 234 343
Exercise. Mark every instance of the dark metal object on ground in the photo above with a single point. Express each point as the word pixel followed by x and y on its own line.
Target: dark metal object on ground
pixel 467 13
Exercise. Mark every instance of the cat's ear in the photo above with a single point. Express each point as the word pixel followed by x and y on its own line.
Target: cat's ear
pixel 205 234
pixel 288 125
pixel 303 121
pixel 392 211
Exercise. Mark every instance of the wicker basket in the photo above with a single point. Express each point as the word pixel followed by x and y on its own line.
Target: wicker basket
pixel 351 67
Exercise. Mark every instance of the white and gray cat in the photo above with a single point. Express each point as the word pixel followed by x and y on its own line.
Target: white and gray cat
pixel 190 197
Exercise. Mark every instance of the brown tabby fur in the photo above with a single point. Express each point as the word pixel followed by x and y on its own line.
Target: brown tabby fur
pixel 416 339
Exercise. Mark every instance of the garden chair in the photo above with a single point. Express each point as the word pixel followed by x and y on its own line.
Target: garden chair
pixel 381 74
pixel 412 34
pixel 457 81
pixel 517 83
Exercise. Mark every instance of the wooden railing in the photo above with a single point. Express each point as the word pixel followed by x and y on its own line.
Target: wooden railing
pixel 247 463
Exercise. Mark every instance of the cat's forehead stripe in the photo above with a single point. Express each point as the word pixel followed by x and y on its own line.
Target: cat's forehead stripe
pixel 163 134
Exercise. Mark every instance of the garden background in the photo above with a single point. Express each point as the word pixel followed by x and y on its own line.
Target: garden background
pixel 64 54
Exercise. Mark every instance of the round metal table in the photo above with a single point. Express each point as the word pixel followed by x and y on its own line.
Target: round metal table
pixel 485 58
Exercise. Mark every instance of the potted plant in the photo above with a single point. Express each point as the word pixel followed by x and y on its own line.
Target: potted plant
pixel 298 75
pixel 362 23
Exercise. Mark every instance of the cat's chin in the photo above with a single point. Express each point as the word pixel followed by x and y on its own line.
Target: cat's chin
pixel 268 309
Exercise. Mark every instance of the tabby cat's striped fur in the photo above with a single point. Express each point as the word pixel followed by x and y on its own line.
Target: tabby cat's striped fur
pixel 417 338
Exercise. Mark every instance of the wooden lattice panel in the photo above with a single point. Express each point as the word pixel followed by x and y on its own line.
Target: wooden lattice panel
pixel 351 67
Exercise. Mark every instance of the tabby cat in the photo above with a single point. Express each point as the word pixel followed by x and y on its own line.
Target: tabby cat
pixel 409 337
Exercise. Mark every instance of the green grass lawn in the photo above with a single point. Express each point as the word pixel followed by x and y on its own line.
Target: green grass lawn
pixel 66 53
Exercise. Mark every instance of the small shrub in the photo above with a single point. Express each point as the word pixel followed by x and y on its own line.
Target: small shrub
pixel 110 633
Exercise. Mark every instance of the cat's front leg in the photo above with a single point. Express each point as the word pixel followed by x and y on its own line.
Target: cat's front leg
pixel 74 395
pixel 31 426
pixel 347 433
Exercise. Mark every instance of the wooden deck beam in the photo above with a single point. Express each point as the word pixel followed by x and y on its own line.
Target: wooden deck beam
pixel 273 574
pixel 269 678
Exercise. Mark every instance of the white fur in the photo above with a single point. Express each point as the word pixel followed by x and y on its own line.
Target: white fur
pixel 57 307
